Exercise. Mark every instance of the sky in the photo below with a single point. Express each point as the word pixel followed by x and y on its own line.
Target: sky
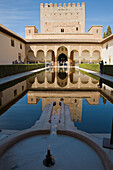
pixel 15 14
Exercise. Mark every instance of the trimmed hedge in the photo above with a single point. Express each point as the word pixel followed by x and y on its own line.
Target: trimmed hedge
pixel 8 70
pixel 108 69
pixel 93 67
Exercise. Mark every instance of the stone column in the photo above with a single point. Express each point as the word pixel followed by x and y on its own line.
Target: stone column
pixel 68 79
pixel 91 54
pixel 45 54
pixel 79 80
pixel 35 54
pixel 90 82
pixel 55 76
pixel 36 82
pixel 45 79
pixel 68 56
pixel 80 54
pixel 55 52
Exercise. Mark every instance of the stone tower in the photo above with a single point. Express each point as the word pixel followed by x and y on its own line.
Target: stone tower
pixel 63 18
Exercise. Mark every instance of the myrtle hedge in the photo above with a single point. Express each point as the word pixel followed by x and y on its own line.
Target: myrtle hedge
pixel 8 70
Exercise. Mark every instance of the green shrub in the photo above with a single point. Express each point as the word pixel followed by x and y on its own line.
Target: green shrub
pixel 7 70
pixel 108 69
pixel 93 67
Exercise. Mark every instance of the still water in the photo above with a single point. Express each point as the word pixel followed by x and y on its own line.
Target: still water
pixel 91 107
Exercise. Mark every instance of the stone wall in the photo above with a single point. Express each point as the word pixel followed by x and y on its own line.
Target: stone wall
pixel 107 51
pixel 11 48
pixel 63 18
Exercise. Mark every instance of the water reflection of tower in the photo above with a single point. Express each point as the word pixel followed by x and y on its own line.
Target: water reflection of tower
pixel 75 105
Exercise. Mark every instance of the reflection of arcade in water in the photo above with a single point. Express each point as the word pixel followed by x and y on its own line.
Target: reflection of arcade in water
pixel 63 78
pixel 79 86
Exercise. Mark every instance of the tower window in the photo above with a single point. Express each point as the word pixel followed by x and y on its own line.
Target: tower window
pixel 75 100
pixel 96 31
pixel 29 31
pixel 12 43
pixel 62 30
pixel 76 28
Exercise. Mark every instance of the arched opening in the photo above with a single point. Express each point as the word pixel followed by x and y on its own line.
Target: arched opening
pixel 96 56
pixel 62 54
pixel 30 82
pixel 74 58
pixel 50 59
pixel 85 57
pixel 51 77
pixel 30 57
pixel 84 79
pixel 62 59
pixel 62 78
pixel 74 77
pixel 40 57
pixel 41 78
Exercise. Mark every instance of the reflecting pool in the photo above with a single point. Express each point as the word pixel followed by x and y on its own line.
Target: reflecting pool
pixel 90 104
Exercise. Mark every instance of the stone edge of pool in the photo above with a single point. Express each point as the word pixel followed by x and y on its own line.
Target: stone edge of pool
pixel 13 139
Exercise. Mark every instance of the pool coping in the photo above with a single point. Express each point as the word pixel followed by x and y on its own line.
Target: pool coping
pixel 103 76
pixel 8 79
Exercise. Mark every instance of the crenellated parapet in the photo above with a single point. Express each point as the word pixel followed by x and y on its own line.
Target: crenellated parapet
pixel 62 5
pixel 78 4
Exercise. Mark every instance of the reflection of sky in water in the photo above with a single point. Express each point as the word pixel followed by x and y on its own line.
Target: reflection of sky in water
pixel 96 118
pixel 21 115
